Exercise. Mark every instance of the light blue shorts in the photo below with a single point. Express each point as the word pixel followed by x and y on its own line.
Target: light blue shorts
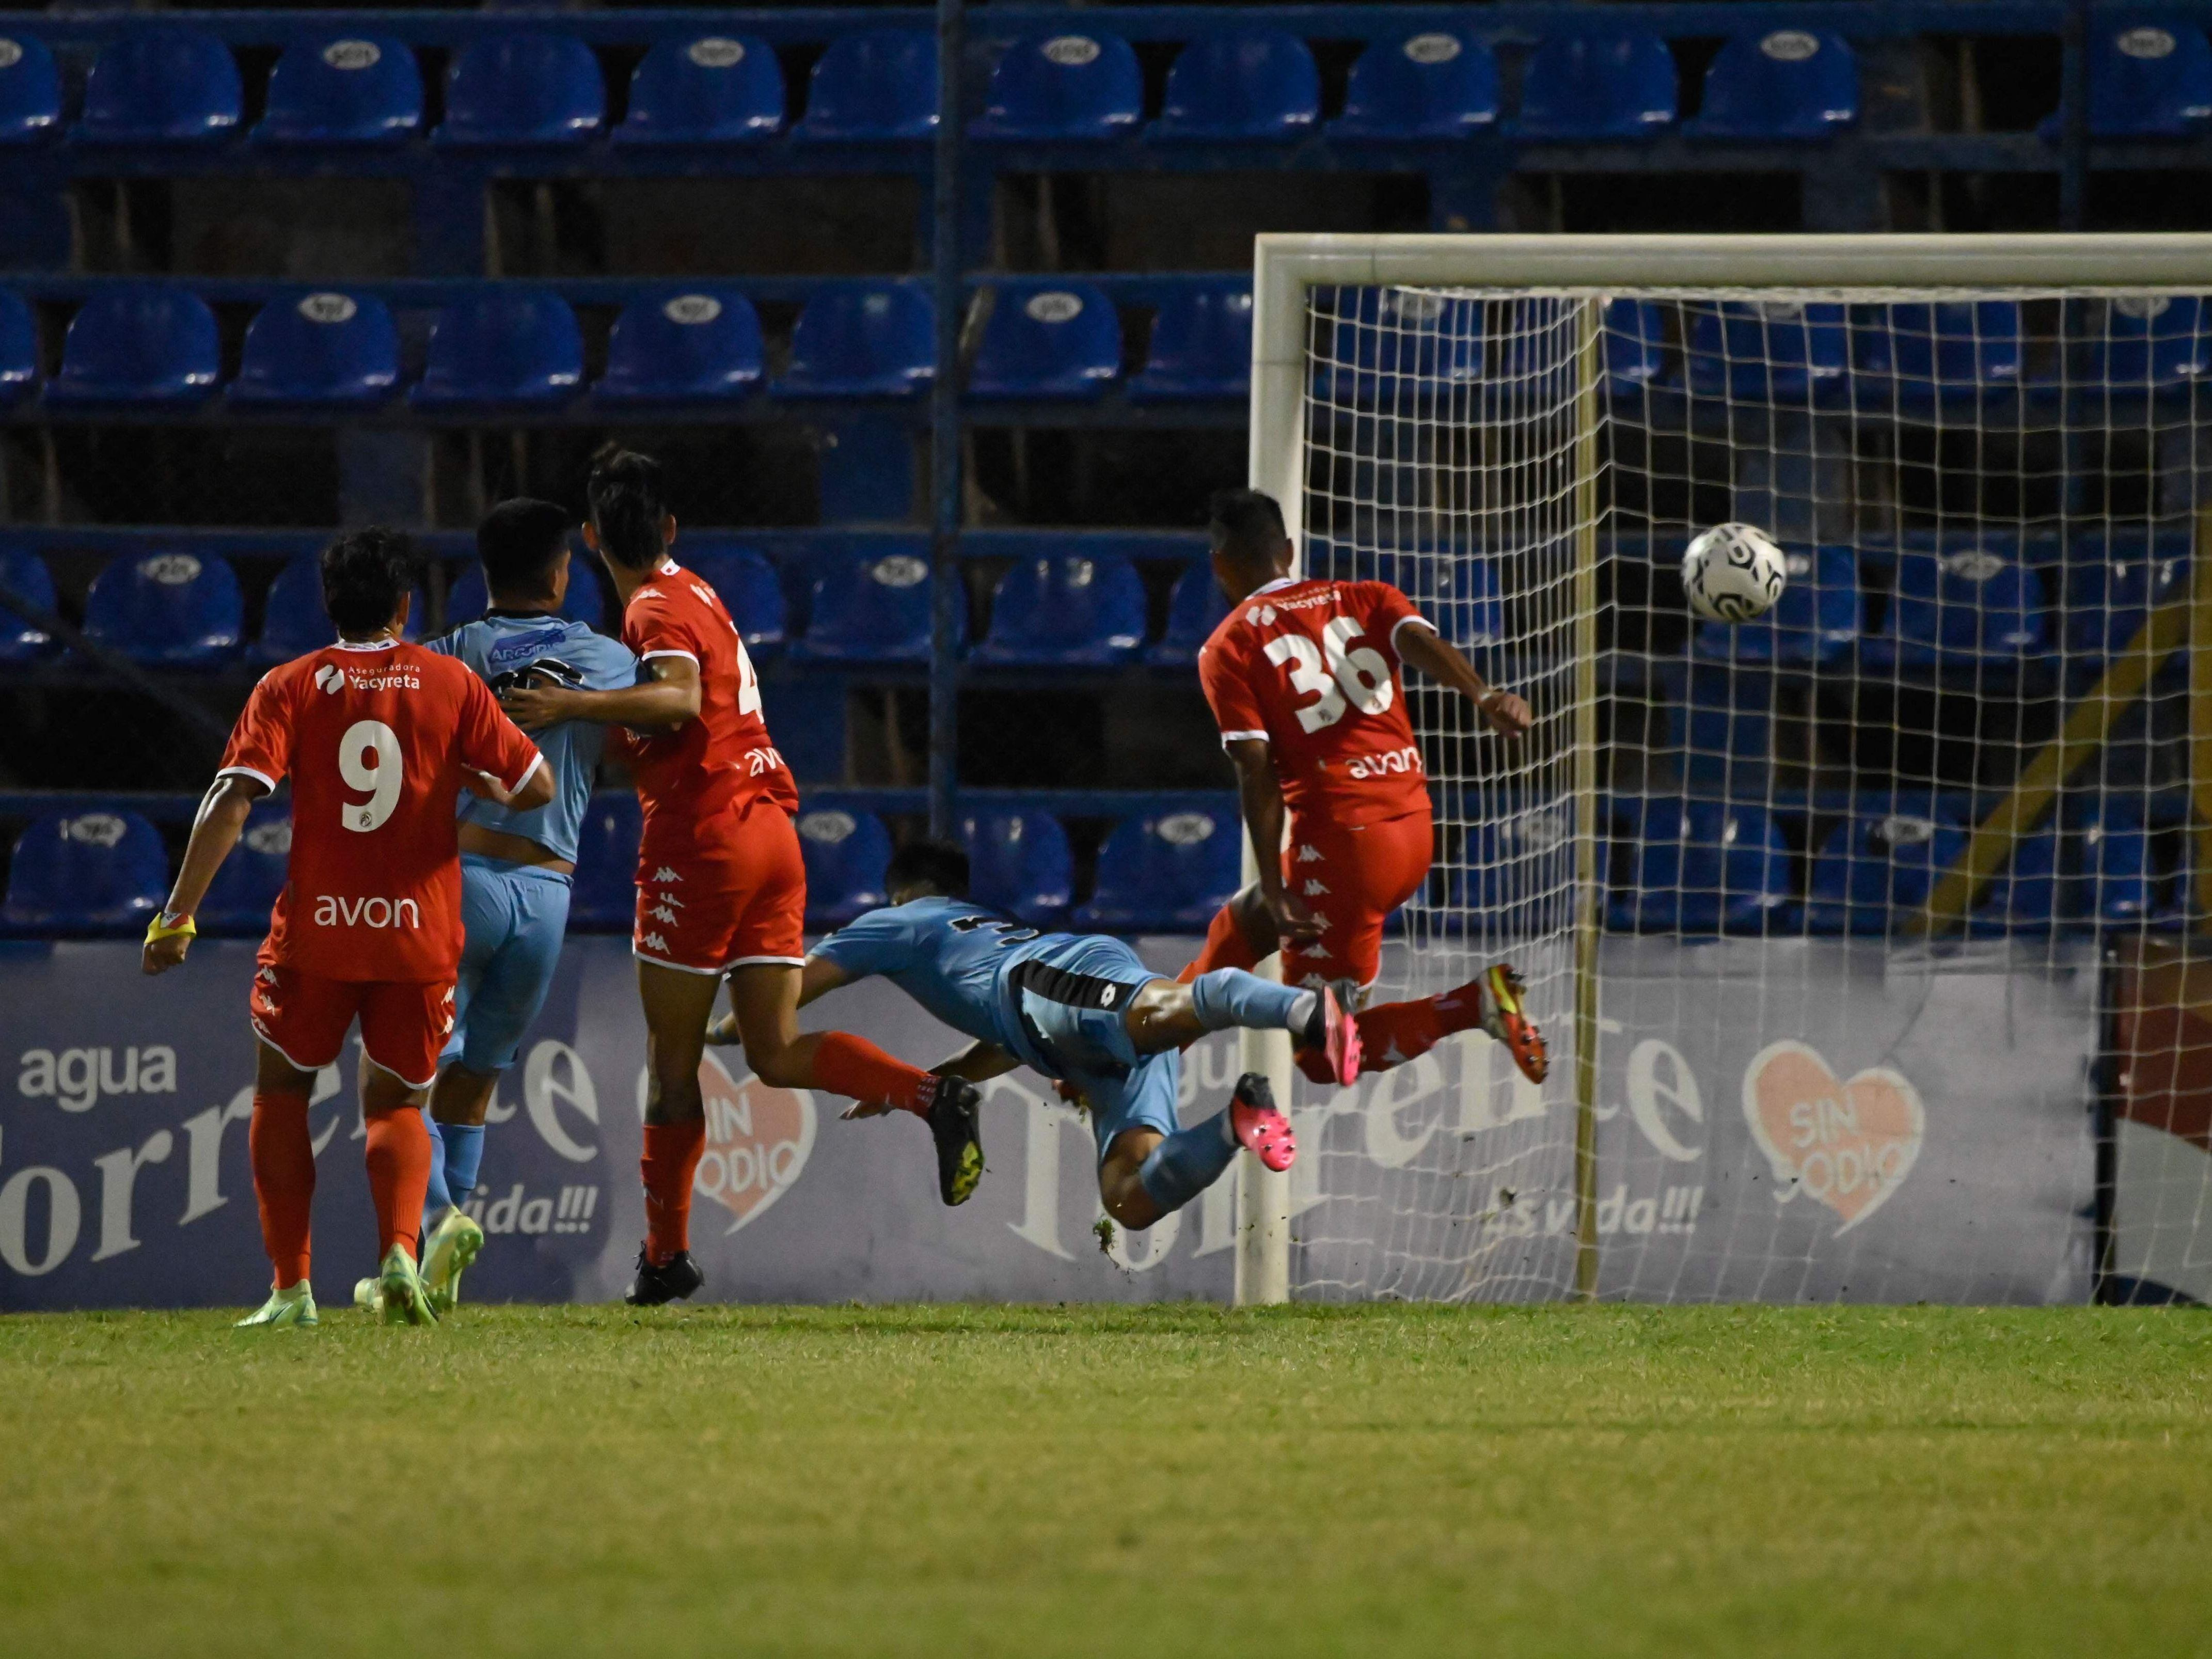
pixel 1073 1001
pixel 515 916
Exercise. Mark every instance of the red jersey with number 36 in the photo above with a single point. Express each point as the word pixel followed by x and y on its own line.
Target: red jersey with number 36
pixel 1311 668
pixel 379 741
pixel 697 782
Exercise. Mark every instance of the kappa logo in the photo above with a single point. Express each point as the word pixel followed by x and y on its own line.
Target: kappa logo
pixel 666 874
pixel 1315 889
pixel 1308 855
pixel 267 976
pixel 662 912
pixel 1848 1144
pixel 329 678
pixel 653 942
pixel 758 1139
pixel 668 899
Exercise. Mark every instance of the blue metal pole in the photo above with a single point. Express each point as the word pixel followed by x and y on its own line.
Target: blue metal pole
pixel 947 261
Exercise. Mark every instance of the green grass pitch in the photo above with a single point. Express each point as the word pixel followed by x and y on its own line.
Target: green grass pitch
pixel 1174 1480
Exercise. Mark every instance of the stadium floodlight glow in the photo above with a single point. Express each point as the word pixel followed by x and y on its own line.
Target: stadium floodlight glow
pixel 1930 427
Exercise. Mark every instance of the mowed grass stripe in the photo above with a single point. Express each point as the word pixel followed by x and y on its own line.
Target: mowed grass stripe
pixel 1175 1478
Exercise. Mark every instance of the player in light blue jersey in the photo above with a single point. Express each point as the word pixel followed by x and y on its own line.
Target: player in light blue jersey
pixel 515 866
pixel 1082 1008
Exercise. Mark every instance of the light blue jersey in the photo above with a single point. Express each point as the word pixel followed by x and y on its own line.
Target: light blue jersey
pixel 504 642
pixel 1054 1001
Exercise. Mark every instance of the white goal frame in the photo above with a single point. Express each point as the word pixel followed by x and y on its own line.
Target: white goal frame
pixel 1285 267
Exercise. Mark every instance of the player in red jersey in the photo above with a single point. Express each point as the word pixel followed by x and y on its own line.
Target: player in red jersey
pixel 1302 679
pixel 721 890
pixel 379 737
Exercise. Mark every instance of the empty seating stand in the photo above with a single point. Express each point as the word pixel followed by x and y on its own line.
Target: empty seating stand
pixel 92 874
pixel 876 86
pixel 19 350
pixel 1196 608
pixel 717 89
pixel 324 350
pixel 24 574
pixel 1435 84
pixel 846 854
pixel 864 341
pixel 179 611
pixel 1070 612
pixel 162 86
pixel 1777 353
pixel 1060 87
pixel 2151 79
pixel 294 622
pixel 750 591
pixel 1697 866
pixel 1779 84
pixel 502 348
pixel 239 899
pixel 1020 862
pixel 468 598
pixel 871 608
pixel 30 90
pixel 2149 343
pixel 1590 86
pixel 524 89
pixel 1877 867
pixel 139 344
pixel 701 347
pixel 1047 339
pixel 1201 345
pixel 1257 84
pixel 1167 872
pixel 353 90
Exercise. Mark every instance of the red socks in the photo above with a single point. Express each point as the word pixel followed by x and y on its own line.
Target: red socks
pixel 848 1065
pixel 398 1160
pixel 667 1165
pixel 1224 948
pixel 283 1156
pixel 1396 1032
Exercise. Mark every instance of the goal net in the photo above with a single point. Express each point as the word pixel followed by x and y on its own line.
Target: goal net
pixel 1866 935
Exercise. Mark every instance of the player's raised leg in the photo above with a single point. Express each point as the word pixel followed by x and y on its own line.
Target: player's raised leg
pixel 1392 1033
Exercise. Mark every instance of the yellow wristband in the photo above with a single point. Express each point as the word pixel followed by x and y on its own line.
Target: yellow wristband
pixel 162 927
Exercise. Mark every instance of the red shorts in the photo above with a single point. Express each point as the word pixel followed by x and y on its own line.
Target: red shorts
pixel 404 1023
pixel 1353 879
pixel 691 916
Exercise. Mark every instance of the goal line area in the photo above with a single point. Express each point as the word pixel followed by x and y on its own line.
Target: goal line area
pixel 1868 934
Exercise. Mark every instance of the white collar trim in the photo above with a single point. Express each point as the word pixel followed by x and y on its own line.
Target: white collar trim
pixel 384 644
pixel 1280 582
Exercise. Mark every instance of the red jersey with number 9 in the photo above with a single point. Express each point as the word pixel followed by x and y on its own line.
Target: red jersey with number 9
pixel 697 782
pixel 379 741
pixel 1311 669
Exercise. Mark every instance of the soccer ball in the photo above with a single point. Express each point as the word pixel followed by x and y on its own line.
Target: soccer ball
pixel 1733 573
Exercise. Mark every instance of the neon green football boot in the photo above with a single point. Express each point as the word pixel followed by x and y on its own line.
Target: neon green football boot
pixel 400 1298
pixel 452 1245
pixel 293 1305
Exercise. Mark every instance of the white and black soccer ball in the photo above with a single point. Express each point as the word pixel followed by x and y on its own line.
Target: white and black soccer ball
pixel 1733 573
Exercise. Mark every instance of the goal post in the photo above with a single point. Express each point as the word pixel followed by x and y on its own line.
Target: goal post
pixel 1476 416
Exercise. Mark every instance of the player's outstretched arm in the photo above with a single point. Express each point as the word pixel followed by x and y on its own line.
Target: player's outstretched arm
pixel 662 702
pixel 215 832
pixel 1259 795
pixel 1425 649
pixel 535 790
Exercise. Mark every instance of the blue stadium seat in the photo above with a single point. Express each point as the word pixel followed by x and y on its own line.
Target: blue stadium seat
pixel 294 622
pixel 1166 872
pixel 1195 609
pixel 2023 898
pixel 161 86
pixel 1724 726
pixel 1588 87
pixel 1819 616
pixel 1458 593
pixel 244 890
pixel 872 86
pixel 30 90
pixel 1047 339
pixel 1697 866
pixel 532 89
pixel 1777 84
pixel 1967 608
pixel 604 897
pixel 1952 351
pixel 1247 83
pixel 1514 865
pixel 95 872
pixel 1071 613
pixel 2114 577
pixel 142 343
pixel 1201 345
pixel 467 597
pixel 718 89
pixel 24 574
pixel 168 610
pixel 1020 862
pixel 1635 347
pixel 1431 85
pixel 1781 353
pixel 501 348
pixel 856 342
pixel 2148 80
pixel 19 349
pixel 2113 878
pixel 1073 85
pixel 323 351
pixel 2151 342
pixel 874 607
pixel 694 348
pixel 355 90
pixel 750 590
pixel 1401 347
pixel 1879 864
pixel 846 855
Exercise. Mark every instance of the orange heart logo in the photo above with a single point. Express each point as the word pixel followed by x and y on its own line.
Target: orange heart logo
pixel 758 1140
pixel 1848 1145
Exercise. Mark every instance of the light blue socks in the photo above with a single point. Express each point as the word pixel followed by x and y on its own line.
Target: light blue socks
pixel 456 1153
pixel 1190 1160
pixel 1230 996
